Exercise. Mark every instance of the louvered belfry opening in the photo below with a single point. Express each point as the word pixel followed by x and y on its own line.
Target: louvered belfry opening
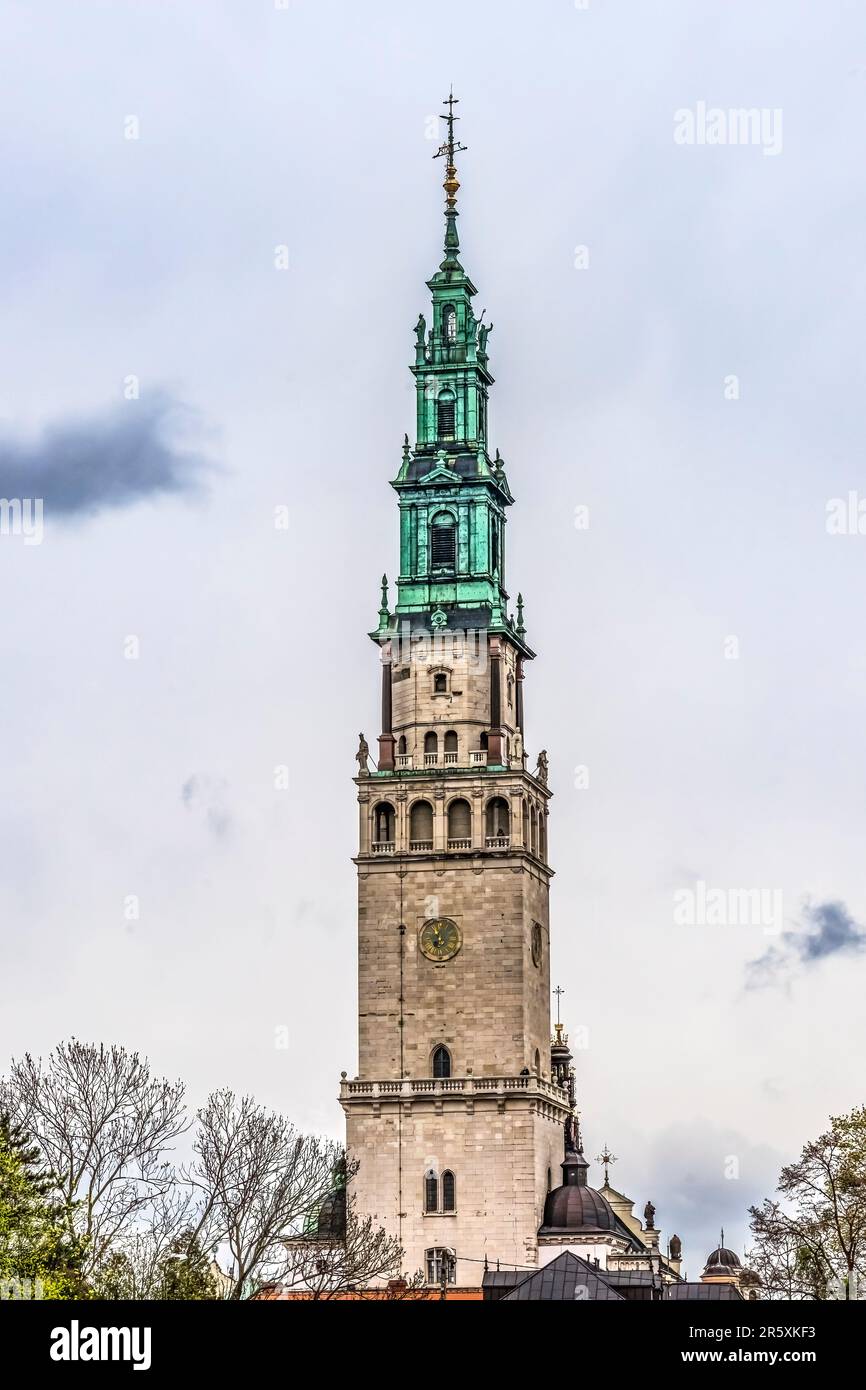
pixel 442 541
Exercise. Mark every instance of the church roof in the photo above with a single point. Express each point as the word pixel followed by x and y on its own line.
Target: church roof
pixel 701 1293
pixel 722 1260
pixel 559 1282
pixel 570 1279
pixel 575 1209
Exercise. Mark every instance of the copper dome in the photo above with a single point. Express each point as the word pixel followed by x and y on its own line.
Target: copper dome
pixel 575 1207
pixel 571 1208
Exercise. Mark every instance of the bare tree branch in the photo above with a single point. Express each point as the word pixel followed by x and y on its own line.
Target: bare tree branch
pixel 104 1125
pixel 257 1178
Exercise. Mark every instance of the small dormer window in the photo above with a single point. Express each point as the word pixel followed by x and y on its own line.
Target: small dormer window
pixel 449 323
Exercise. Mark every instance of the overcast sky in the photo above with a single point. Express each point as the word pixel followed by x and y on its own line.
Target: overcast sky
pixel 693 377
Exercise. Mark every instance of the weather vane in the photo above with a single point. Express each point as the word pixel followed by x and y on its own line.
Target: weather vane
pixel 448 151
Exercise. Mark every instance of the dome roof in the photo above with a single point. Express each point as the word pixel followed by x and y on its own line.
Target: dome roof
pixel 331 1221
pixel 722 1260
pixel 572 1208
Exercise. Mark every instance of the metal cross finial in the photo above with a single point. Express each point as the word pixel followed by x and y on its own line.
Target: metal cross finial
pixel 448 150
pixel 559 992
pixel 606 1157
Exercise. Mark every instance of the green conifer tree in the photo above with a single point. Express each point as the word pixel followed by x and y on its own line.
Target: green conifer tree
pixel 38 1257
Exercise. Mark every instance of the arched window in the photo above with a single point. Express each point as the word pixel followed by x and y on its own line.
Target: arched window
pixel 445 410
pixel 383 824
pixel 421 826
pixel 442 541
pixel 460 825
pixel 451 741
pixel 431 1191
pixel 533 831
pixel 525 824
pixel 449 1192
pixel 441 1266
pixel 498 819
pixel 549 1180
pixel 484 740
pixel 401 745
pixel 537 1062
pixel 494 548
pixel 441 1062
pixel 542 836
pixel 449 323
pixel 440 683
pixel 431 749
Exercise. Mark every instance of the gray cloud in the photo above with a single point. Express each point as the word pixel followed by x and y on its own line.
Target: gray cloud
pixel 78 467
pixel 828 930
pixel 703 1175
pixel 206 796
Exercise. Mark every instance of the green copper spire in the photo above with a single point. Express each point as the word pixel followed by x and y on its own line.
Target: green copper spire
pixel 453 495
pixel 384 615
pixel 451 184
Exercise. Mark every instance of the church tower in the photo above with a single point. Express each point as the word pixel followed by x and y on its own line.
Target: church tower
pixel 455 1117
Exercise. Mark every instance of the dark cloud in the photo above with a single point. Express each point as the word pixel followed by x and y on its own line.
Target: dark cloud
pixel 828 930
pixel 79 467
pixel 701 1175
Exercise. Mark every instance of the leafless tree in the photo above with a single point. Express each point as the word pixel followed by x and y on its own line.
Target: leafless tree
pixel 104 1125
pixel 257 1180
pixel 366 1262
pixel 133 1265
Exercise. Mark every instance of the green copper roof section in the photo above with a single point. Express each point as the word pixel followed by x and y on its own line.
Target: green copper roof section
pixel 452 496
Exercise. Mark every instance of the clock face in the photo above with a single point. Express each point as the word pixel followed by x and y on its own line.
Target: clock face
pixel 537 943
pixel 440 939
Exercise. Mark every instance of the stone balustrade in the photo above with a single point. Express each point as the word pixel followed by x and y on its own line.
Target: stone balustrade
pixel 463 1085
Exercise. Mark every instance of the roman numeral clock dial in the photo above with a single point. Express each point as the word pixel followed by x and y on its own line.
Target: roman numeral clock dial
pixel 440 939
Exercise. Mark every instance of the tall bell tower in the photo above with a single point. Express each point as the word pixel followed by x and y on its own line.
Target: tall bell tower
pixel 455 1116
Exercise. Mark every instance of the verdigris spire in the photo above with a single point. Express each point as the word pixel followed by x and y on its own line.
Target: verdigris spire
pixel 521 626
pixel 453 499
pixel 384 615
pixel 451 184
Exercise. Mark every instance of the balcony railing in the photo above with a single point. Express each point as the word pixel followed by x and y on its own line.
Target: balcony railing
pixel 450 757
pixel 431 759
pixel 478 757
pixel 404 760
pixel 421 844
pixel 383 846
pixel 498 841
pixel 460 844
pixel 454 1085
